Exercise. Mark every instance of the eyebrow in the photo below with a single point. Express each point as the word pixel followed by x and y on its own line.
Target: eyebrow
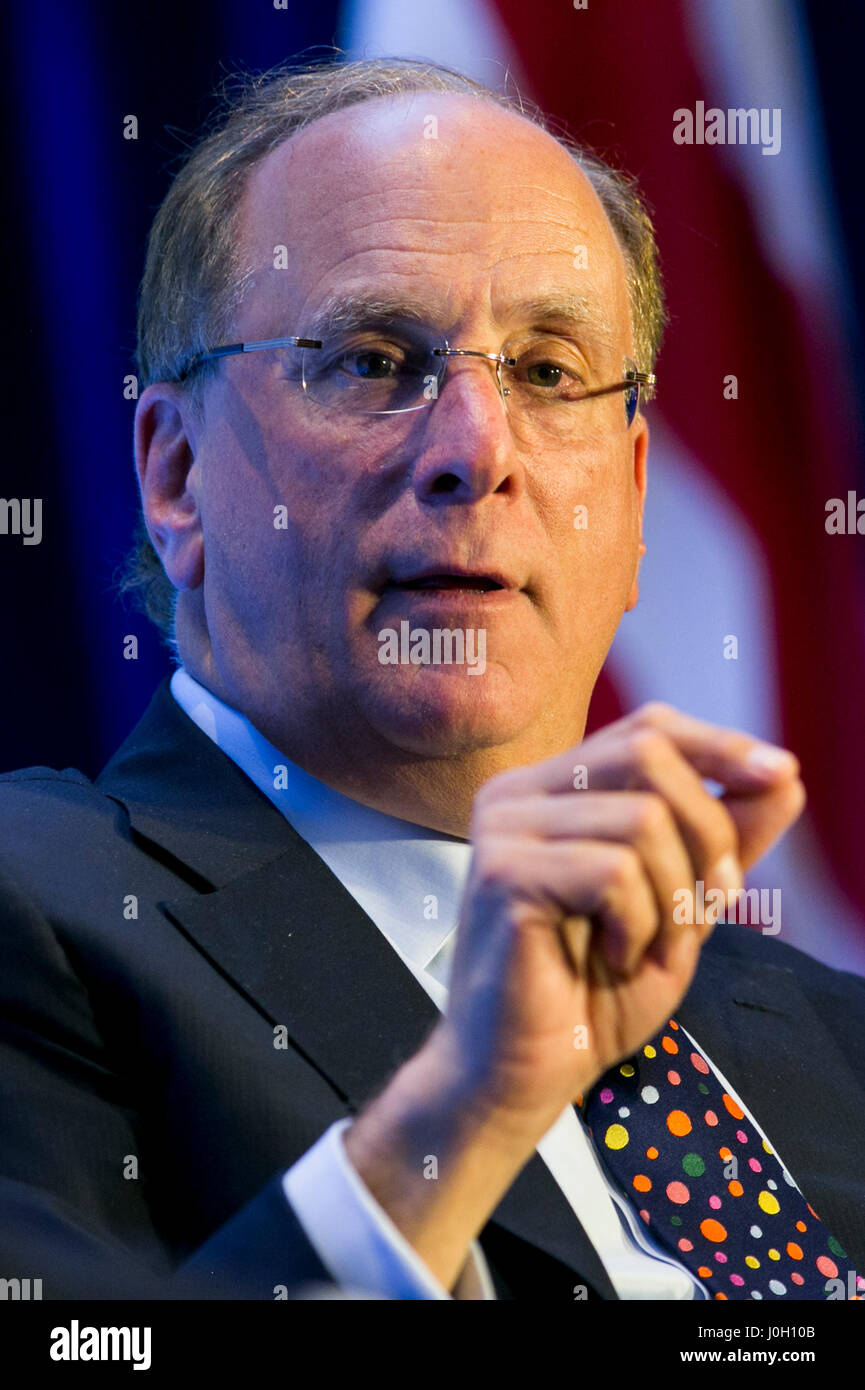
pixel 574 311
pixel 343 314
pixel 358 310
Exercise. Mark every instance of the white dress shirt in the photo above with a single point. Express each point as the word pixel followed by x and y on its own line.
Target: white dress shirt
pixel 409 882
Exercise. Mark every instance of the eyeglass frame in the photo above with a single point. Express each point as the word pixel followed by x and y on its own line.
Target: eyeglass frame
pixel 631 378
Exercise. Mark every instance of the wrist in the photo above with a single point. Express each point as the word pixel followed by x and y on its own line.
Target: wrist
pixel 482 1111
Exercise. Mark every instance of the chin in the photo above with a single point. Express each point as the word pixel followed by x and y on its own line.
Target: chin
pixel 445 712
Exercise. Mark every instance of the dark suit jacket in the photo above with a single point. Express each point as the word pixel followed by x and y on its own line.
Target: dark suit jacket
pixel 151 1037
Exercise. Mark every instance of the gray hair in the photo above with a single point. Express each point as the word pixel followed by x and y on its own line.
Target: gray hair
pixel 193 282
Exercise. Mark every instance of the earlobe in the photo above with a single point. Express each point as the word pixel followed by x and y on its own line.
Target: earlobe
pixel 165 461
pixel 634 595
pixel 641 449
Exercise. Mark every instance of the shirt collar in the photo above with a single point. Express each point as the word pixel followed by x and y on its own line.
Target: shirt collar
pixel 407 878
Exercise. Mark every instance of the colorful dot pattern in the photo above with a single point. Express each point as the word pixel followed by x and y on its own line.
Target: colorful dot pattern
pixel 707 1185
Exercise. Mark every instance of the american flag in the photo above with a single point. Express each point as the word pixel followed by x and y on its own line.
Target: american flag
pixel 740 472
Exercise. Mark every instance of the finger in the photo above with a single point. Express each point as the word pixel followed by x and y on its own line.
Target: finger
pixel 593 878
pixel 641 819
pixel 735 759
pixel 650 762
pixel 643 760
pixel 761 820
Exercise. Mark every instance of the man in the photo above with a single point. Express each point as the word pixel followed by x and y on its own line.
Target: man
pixel 393 335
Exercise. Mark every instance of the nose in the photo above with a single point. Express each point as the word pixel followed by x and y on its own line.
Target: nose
pixel 467 451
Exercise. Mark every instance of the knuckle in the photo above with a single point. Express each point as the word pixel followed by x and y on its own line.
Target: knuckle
pixel 623 872
pixel 654 714
pixel 646 747
pixel 652 817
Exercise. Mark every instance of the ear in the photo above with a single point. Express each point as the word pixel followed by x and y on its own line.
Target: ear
pixel 166 432
pixel 641 451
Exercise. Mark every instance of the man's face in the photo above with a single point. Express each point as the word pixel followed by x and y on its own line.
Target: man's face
pixel 473 230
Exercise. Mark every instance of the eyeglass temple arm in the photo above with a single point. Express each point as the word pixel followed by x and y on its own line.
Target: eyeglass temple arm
pixel 631 379
pixel 231 349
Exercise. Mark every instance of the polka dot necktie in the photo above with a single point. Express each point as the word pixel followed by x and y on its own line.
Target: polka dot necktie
pixel 707 1185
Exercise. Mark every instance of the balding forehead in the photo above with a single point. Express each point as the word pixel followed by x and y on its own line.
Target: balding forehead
pixel 470 132
pixel 407 114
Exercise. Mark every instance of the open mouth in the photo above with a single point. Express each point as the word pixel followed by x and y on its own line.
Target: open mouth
pixel 460 583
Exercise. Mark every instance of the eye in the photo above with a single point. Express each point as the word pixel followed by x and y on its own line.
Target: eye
pixel 550 367
pixel 368 364
pixel 544 374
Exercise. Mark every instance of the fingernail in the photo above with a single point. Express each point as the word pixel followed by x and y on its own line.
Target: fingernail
pixel 769 759
pixel 726 874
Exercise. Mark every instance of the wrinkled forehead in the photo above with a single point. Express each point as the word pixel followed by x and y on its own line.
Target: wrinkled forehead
pixel 444 200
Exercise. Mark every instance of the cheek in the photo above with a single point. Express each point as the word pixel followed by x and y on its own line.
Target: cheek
pixel 254 556
pixel 591 519
pixel 268 507
pixel 592 510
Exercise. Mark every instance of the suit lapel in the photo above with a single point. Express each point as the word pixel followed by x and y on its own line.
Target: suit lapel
pixel 281 927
